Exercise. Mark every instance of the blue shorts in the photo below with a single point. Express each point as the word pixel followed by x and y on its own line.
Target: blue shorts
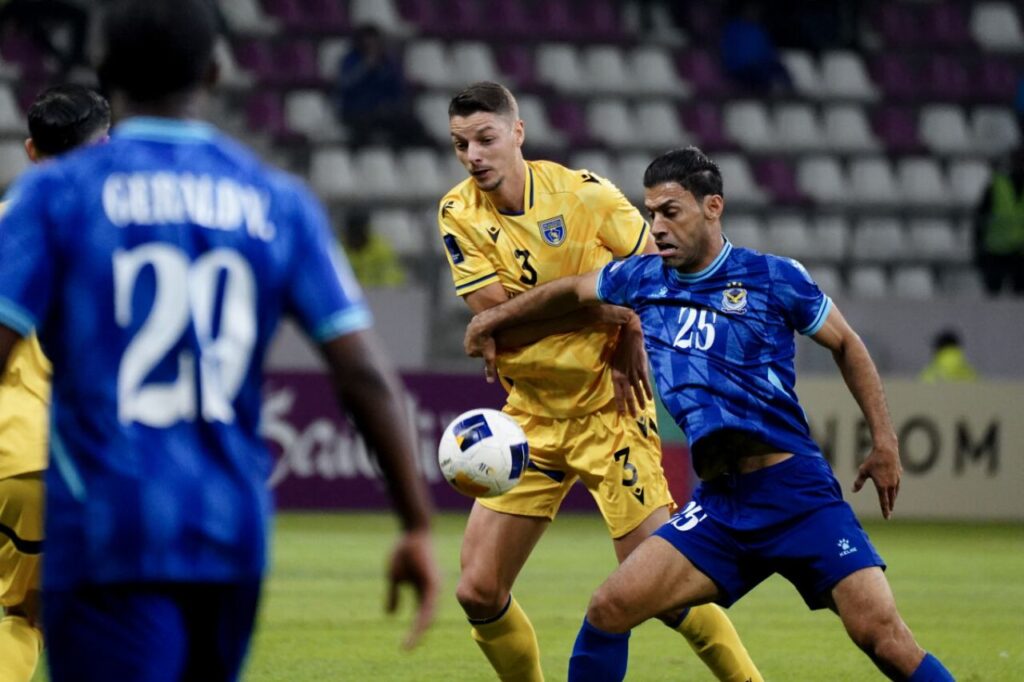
pixel 789 519
pixel 149 633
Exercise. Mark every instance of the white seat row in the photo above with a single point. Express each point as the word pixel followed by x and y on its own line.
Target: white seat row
pixel 376 173
pixel 432 111
pixel 996 26
pixel 608 69
pixel 905 282
pixel 840 74
pixel 915 181
pixel 798 128
pixel 436 64
pixel 945 129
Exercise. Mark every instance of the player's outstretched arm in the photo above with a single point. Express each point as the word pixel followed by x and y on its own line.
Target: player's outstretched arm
pixel 372 394
pixel 560 297
pixel 861 376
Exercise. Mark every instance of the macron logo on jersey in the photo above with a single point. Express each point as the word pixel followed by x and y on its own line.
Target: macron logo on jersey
pixel 166 198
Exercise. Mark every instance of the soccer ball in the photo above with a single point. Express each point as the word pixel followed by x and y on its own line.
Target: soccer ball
pixel 483 453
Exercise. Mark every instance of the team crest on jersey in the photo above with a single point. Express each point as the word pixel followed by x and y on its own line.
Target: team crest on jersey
pixel 734 298
pixel 553 230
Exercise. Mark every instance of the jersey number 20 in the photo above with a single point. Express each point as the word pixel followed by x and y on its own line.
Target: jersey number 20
pixel 185 294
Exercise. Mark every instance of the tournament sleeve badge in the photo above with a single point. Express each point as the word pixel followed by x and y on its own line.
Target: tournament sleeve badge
pixel 553 230
pixel 454 251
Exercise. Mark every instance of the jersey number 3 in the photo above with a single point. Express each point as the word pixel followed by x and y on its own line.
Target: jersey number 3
pixel 185 294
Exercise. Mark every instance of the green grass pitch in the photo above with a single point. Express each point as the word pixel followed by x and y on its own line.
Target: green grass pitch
pixel 959 586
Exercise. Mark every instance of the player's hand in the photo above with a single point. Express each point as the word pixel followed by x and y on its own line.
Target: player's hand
pixel 479 343
pixel 412 561
pixel 883 467
pixel 630 378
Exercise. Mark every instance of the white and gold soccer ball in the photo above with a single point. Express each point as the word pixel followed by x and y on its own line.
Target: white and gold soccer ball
pixel 483 453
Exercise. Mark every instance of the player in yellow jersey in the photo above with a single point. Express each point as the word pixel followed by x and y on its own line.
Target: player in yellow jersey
pixel 576 384
pixel 61 118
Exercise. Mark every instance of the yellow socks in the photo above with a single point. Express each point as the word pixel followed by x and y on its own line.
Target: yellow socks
pixel 510 644
pixel 714 639
pixel 20 644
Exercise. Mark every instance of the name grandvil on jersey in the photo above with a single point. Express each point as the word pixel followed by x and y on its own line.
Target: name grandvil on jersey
pixel 166 198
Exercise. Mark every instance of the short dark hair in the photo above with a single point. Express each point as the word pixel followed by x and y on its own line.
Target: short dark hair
pixel 486 96
pixel 690 168
pixel 156 48
pixel 64 116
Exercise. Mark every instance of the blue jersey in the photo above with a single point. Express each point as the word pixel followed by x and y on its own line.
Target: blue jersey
pixel 156 268
pixel 721 340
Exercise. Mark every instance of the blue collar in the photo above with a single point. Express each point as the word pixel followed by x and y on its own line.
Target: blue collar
pixel 691 277
pixel 165 129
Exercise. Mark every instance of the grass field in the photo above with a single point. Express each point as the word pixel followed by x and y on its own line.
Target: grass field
pixel 959 586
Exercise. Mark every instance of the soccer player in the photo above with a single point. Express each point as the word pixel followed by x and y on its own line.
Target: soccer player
pixel 155 268
pixel 718 323
pixel 61 118
pixel 510 226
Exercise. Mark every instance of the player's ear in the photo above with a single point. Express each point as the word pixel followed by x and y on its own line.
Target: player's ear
pixel 519 132
pixel 31 151
pixel 714 204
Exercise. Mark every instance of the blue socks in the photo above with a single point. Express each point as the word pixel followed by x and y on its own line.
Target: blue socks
pixel 599 656
pixel 931 670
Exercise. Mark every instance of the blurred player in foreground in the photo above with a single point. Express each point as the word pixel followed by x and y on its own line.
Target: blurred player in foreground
pixel 155 268
pixel 511 225
pixel 718 324
pixel 62 118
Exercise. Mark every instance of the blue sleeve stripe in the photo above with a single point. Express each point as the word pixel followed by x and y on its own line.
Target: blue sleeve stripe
pixel 17 318
pixel 640 241
pixel 600 282
pixel 478 280
pixel 354 319
pixel 819 319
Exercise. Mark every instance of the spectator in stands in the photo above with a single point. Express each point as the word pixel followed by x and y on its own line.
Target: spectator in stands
pixel 42 21
pixel 371 95
pixel 749 54
pixel 371 256
pixel 999 228
pixel 948 362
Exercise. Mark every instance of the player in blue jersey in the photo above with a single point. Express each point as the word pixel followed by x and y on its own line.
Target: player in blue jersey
pixel 155 269
pixel 718 323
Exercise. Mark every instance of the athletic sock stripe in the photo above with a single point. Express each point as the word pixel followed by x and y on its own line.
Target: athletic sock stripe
pixel 485 621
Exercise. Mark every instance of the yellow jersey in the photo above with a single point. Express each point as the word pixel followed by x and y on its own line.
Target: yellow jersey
pixel 24 409
pixel 573 222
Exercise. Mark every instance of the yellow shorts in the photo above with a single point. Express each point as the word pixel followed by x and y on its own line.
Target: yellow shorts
pixel 617 457
pixel 21 536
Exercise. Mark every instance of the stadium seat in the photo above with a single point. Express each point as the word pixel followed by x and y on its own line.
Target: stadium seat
pixel 329 56
pixel 943 129
pixel 516 64
pixel 847 129
pixel 332 175
pixel 12 161
pixel 427 64
pixel 607 71
pixel 326 17
pixel 789 235
pixel 309 113
pixel 921 182
pixel 897 128
pixel 376 173
pixel 702 70
pixel 737 180
pixel 844 77
pixel 798 128
pixel 747 122
pixel 897 77
pixel 232 76
pixel 611 122
pixel 873 182
pixel 995 26
pixel 460 19
pixel 655 74
pixel 629 175
pixel 935 240
pixel 402 230
pixel 899 23
pixel 878 240
pixel 659 125
pixel 967 179
pixel 962 282
pixel 594 160
pixel 868 281
pixel 432 111
pixel 947 25
pixel 452 171
pixel 246 17
pixel 804 72
pixel 12 122
pixel 296 64
pixel 264 113
pixel 777 178
pixel 996 78
pixel 947 78
pixel 822 179
pixel 380 13
pixel 744 230
pixel 474 62
pixel 558 65
pixel 831 238
pixel 705 122
pixel 827 278
pixel 568 117
pixel 994 130
pixel 421 173
pixel 913 281
pixel 539 131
